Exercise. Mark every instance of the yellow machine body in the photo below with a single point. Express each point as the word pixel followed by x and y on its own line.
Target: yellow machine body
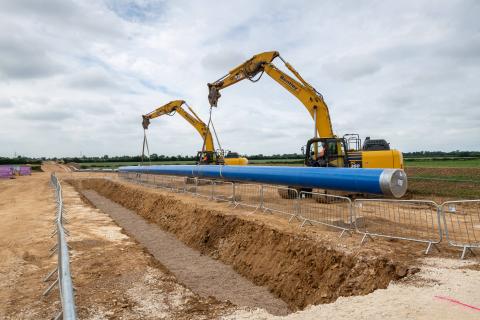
pixel 240 161
pixel 382 159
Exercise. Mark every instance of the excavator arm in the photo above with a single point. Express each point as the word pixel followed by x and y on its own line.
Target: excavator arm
pixel 192 118
pixel 302 90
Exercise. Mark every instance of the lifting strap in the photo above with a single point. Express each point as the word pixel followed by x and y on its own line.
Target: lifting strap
pixel 145 143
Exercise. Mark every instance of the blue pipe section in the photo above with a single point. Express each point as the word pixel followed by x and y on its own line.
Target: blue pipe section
pixel 391 182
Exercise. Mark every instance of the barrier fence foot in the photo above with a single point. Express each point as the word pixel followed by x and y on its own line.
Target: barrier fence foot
pixel 50 275
pixel 345 231
pixel 256 208
pixel 365 238
pixel 50 288
pixel 429 247
pixel 465 250
pixel 305 221
pixel 59 316
pixel 53 251
pixel 294 217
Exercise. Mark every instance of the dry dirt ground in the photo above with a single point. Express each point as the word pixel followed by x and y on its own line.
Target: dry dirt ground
pixel 114 277
pixel 117 278
pixel 201 273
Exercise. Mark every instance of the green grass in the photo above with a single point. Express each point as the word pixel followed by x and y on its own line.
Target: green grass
pixel 121 164
pixel 413 163
pixel 288 162
pixel 277 162
pixel 443 163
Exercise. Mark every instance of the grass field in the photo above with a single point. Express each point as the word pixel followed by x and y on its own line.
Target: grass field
pixel 443 163
pixel 298 162
pixel 414 163
pixel 113 165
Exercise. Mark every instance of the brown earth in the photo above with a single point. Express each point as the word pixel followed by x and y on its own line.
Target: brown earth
pixel 206 276
pixel 441 191
pixel 301 267
pixel 473 173
pixel 115 278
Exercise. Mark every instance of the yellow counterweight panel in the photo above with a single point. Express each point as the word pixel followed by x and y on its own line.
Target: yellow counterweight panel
pixel 382 159
pixel 236 161
pixel 397 159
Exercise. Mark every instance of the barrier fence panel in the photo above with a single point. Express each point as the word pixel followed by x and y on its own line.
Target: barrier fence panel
pixel 150 179
pixel 177 183
pixel 279 199
pixel 222 190
pixel 247 195
pixel 326 209
pixel 190 185
pixel 62 270
pixel 144 178
pixel 414 220
pixel 461 220
pixel 161 181
pixel 204 188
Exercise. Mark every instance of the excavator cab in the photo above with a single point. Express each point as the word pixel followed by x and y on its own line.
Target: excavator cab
pixel 326 152
pixel 209 157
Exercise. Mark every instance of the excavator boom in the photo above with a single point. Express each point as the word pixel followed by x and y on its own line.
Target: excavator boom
pixel 208 154
pixel 302 90
pixel 194 120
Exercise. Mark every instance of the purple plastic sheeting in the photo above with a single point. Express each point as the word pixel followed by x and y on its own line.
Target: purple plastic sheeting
pixel 25 170
pixel 6 171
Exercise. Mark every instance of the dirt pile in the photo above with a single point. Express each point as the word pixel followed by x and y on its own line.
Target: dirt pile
pixel 298 269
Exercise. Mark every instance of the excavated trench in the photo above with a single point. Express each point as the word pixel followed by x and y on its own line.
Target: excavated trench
pixel 296 268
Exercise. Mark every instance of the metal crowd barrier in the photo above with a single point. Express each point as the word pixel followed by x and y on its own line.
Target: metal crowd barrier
pixel 462 224
pixel 247 195
pixel 279 199
pixel 223 191
pixel 411 220
pixel 64 279
pixel 204 188
pixel 328 210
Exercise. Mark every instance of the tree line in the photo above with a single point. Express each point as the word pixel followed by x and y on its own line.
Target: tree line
pixel 156 157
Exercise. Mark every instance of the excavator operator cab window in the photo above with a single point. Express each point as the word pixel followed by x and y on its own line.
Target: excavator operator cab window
pixel 332 147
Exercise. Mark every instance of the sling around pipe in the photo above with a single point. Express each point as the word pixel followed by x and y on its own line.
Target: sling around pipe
pixel 388 182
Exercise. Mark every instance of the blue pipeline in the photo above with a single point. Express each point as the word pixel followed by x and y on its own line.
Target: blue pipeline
pixel 376 181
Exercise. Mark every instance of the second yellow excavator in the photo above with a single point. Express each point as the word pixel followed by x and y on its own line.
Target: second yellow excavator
pixel 324 149
pixel 208 154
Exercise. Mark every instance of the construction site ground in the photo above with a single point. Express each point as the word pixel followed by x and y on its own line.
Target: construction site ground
pixel 144 253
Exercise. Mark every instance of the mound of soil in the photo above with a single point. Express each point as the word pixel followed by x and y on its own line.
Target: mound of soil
pixel 298 269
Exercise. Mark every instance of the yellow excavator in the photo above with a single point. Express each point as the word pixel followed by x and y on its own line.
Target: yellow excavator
pixel 325 149
pixel 208 154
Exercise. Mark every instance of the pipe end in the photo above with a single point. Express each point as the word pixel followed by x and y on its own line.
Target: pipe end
pixel 393 182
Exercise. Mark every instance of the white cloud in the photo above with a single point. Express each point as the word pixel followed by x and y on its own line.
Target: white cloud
pixel 75 76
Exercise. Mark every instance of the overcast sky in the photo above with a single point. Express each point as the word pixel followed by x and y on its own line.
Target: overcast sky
pixel 75 76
